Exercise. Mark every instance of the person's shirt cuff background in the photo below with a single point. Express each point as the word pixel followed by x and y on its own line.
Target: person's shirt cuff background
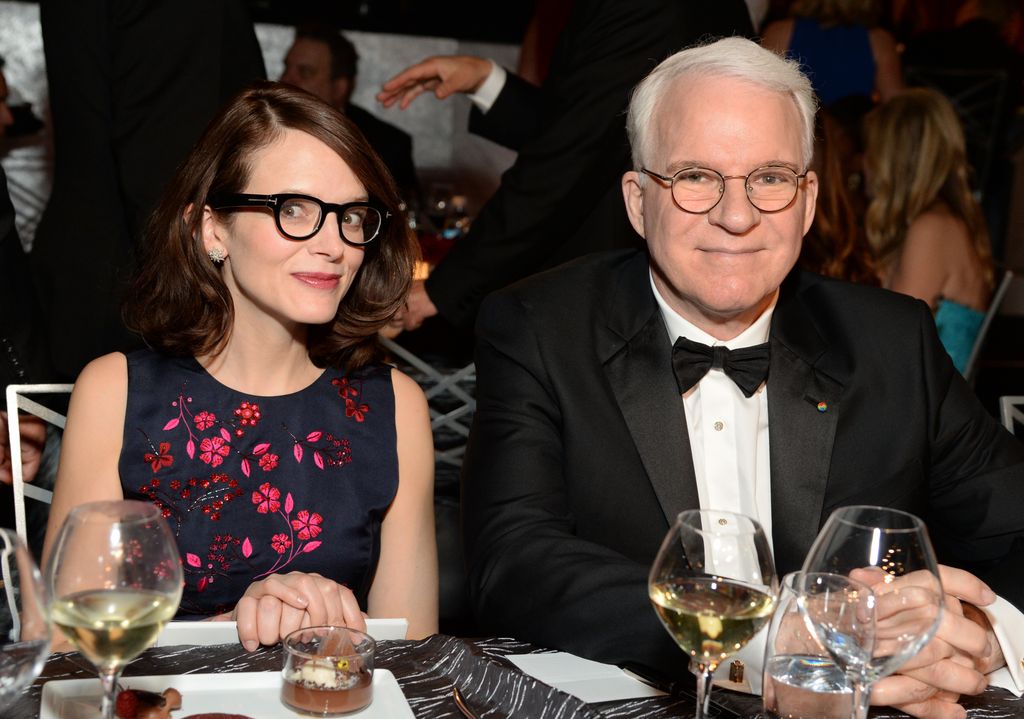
pixel 489 90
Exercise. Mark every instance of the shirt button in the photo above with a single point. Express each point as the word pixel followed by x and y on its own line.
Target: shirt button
pixel 723 521
pixel 719 426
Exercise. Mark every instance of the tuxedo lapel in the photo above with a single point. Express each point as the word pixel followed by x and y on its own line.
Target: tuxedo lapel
pixel 638 364
pixel 804 405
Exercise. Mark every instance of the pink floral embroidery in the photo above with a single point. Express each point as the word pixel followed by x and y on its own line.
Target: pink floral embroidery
pixel 358 411
pixel 161 458
pixel 215 493
pixel 268 462
pixel 204 420
pixel 307 524
pixel 248 413
pixel 214 450
pixel 280 543
pixel 267 498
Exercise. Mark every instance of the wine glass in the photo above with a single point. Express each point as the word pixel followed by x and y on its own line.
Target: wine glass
pixel 713 586
pixel 889 551
pixel 115 577
pixel 840 612
pixel 24 618
pixel 801 679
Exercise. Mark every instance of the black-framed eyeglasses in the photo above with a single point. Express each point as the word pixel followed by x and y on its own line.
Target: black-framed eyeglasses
pixel 299 217
pixel 698 190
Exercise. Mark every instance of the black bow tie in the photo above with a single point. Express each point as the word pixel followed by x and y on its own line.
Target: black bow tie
pixel 747 367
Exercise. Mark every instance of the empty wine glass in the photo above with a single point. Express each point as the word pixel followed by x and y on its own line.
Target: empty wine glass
pixel 24 618
pixel 713 586
pixel 840 611
pixel 801 680
pixel 890 552
pixel 115 577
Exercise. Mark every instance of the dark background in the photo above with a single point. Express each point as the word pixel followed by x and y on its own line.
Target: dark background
pixel 463 19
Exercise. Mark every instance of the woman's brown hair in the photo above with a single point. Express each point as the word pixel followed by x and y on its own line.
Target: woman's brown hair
pixel 915 160
pixel 835 245
pixel 178 301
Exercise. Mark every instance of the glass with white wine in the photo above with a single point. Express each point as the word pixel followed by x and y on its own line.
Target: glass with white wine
pixel 115 577
pixel 713 586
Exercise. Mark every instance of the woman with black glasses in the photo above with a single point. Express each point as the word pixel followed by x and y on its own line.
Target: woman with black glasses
pixel 295 468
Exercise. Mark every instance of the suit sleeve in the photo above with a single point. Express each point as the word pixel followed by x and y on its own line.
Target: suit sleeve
pixel 530 576
pixel 514 117
pixel 976 477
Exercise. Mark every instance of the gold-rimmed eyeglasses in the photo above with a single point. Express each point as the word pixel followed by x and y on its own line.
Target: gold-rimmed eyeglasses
pixel 698 189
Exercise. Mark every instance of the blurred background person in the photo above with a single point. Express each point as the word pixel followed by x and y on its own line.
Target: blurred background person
pixel 926 227
pixel 324 62
pixel 978 65
pixel 841 48
pixel 561 197
pixel 132 85
pixel 836 245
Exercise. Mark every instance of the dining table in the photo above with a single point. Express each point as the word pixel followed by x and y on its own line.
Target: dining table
pixel 428 670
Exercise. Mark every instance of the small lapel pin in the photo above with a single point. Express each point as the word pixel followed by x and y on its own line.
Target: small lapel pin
pixel 822 406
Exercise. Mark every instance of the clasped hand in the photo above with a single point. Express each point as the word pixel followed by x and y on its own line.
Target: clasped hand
pixel 274 607
pixel 954 662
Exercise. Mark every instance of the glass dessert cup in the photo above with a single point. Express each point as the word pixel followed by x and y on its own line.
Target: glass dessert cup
pixel 328 671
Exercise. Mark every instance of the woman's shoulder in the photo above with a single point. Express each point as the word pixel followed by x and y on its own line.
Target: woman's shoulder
pixel 936 226
pixel 110 370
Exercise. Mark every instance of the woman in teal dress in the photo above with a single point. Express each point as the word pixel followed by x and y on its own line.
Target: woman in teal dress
pixel 923 222
pixel 293 465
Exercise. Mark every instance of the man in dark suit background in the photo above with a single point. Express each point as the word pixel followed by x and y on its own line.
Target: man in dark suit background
pixel 560 199
pixel 132 85
pixel 324 62
pixel 585 444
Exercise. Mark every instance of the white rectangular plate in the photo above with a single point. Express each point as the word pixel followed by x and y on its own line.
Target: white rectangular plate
pixel 254 694
pixel 207 633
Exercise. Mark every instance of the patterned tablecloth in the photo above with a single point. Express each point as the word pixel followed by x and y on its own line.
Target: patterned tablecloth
pixel 427 670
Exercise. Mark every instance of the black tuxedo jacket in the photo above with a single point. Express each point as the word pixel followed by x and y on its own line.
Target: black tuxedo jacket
pixel 561 198
pixel 579 460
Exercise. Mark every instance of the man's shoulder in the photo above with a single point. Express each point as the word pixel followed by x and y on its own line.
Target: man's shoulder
pixel 583 279
pixel 848 301
pixel 573 296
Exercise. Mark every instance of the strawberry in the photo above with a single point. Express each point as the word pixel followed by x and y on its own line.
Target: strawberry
pixel 127 706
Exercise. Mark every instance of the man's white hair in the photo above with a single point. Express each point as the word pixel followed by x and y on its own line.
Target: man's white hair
pixel 730 57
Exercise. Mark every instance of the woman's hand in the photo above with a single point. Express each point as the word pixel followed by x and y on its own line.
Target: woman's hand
pixel 273 607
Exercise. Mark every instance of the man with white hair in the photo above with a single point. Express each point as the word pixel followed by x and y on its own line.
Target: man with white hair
pixel 598 418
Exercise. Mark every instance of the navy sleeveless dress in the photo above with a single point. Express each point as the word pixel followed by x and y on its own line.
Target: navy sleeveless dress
pixel 252 486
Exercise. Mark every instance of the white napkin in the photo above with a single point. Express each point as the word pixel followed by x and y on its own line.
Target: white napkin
pixel 1008 625
pixel 588 680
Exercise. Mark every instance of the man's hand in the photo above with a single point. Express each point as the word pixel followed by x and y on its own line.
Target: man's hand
pixel 418 307
pixel 33 439
pixel 954 662
pixel 274 607
pixel 444 75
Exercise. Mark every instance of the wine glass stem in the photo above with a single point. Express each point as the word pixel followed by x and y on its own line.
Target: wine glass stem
pixel 704 678
pixel 861 700
pixel 108 678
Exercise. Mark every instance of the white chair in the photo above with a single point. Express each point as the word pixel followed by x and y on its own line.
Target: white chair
pixel 18 401
pixel 1011 409
pixel 993 309
pixel 450 400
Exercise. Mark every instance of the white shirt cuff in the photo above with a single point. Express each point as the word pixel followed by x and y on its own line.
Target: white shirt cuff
pixel 1008 624
pixel 489 90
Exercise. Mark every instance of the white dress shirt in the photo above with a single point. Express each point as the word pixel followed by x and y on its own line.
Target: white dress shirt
pixel 733 472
